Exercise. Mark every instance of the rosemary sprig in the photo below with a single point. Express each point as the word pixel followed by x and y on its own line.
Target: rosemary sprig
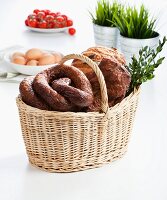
pixel 142 69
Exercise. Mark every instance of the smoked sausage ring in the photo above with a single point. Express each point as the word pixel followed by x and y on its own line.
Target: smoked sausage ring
pixel 29 96
pixel 67 97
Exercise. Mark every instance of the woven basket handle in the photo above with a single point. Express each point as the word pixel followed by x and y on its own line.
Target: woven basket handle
pixel 94 66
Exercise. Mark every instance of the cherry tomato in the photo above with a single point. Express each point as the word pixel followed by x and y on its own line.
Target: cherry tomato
pixel 32 16
pixel 58 25
pixel 42 11
pixel 36 11
pixel 42 24
pixel 47 12
pixel 32 23
pixel 65 17
pixel 53 14
pixel 49 18
pixel 26 22
pixel 58 13
pixel 71 31
pixel 59 19
pixel 69 22
pixel 40 15
pixel 50 24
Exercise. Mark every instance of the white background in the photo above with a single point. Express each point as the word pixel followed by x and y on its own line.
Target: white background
pixel 140 174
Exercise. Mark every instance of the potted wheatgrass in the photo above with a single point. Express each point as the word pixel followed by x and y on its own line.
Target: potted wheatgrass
pixel 137 29
pixel 105 31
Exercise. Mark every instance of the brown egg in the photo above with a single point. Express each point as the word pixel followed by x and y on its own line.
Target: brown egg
pixel 46 59
pixel 32 63
pixel 45 52
pixel 34 54
pixel 19 60
pixel 58 57
pixel 18 54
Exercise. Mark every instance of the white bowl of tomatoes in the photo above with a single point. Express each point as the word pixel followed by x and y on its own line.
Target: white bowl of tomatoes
pixel 48 22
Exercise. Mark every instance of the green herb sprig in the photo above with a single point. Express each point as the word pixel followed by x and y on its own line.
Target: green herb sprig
pixel 142 69
pixel 134 23
pixel 104 13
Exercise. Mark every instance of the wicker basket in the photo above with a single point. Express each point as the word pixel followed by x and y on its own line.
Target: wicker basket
pixel 69 141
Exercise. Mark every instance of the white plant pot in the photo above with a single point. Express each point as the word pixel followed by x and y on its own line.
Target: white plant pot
pixel 130 46
pixel 106 36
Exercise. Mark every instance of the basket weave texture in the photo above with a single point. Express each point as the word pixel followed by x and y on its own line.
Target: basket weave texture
pixel 69 141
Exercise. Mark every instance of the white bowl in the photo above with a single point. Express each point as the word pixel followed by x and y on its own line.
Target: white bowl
pixel 50 30
pixel 26 69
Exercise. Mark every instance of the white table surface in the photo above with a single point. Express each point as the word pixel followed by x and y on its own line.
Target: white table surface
pixel 140 175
